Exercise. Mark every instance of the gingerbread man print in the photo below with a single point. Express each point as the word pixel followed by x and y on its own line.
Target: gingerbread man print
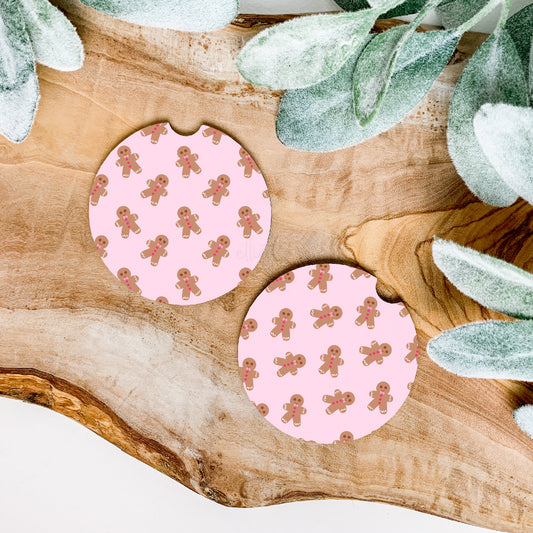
pixel 262 408
pixel 281 282
pixel 187 161
pixel 127 222
pixel 99 188
pixel 249 222
pixel 357 273
pixel 101 244
pixel 154 132
pixel 162 300
pixel 346 436
pixel 375 352
pixel 216 135
pixel 289 364
pixel 248 373
pixel 218 189
pixel 127 161
pixel 217 250
pixel 283 324
pixel 332 361
pixel 124 275
pixel 326 316
pixel 320 277
pixel 187 284
pixel 244 273
pixel 156 189
pixel 380 397
pixel 414 350
pixel 248 163
pixel 294 410
pixel 188 222
pixel 339 401
pixel 156 249
pixel 368 313
pixel 249 326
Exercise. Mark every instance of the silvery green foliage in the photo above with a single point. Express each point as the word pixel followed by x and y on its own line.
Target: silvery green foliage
pixel 520 28
pixel 505 134
pixel 185 15
pixel 453 13
pixel 492 282
pixel 523 416
pixel 304 51
pixel 493 74
pixel 321 118
pixel 404 8
pixel 493 349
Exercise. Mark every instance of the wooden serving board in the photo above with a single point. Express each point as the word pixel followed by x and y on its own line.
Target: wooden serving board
pixel 161 382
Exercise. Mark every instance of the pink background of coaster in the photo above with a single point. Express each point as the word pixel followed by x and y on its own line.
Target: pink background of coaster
pixel 214 221
pixel 353 376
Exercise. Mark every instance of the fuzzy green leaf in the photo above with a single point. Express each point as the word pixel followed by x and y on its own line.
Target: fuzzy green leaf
pixel 453 13
pixel 405 8
pixel 491 349
pixel 304 51
pixel 505 133
pixel 16 54
pixel 17 109
pixel 53 38
pixel 492 282
pixel 321 118
pixel 523 416
pixel 493 74
pixel 183 15
pixel 520 28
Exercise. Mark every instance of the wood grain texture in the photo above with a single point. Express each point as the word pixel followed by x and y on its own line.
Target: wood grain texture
pixel 161 382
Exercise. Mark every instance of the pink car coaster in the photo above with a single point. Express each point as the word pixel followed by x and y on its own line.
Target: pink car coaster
pixel 323 357
pixel 179 219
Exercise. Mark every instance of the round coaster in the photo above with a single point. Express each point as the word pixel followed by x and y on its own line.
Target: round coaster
pixel 179 219
pixel 323 357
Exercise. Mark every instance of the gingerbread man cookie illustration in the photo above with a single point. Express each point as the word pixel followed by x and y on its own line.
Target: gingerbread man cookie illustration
pixel 380 397
pixel 332 361
pixel 319 278
pixel 248 373
pixel 187 284
pixel 154 132
pixel 357 273
pixel 281 282
pixel 266 194
pixel 248 221
pixel 326 316
pixel 215 134
pixel 217 250
pixel 375 352
pixel 289 364
pixel 156 249
pixel 156 189
pixel 249 326
pixel 262 408
pixel 283 324
pixel 244 273
pixel 127 161
pixel 248 163
pixel 161 300
pixel 339 401
pixel 99 188
pixel 188 222
pixel 368 313
pixel 187 161
pixel 101 244
pixel 295 410
pixel 218 189
pixel 414 350
pixel 124 275
pixel 403 311
pixel 346 436
pixel 127 221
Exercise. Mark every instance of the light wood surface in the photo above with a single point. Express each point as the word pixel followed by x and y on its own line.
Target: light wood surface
pixel 161 382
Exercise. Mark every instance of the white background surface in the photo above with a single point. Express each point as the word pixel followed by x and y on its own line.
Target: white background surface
pixel 57 476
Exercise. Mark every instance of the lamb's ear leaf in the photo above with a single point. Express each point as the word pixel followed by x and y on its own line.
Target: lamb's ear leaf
pixel 523 416
pixel 16 54
pixel 404 8
pixel 453 13
pixel 304 51
pixel 505 133
pixel 491 349
pixel 183 15
pixel 321 118
pixel 17 109
pixel 493 74
pixel 53 38
pixel 492 282
pixel 520 28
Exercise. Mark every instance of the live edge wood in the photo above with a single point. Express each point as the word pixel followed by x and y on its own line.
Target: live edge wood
pixel 161 382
